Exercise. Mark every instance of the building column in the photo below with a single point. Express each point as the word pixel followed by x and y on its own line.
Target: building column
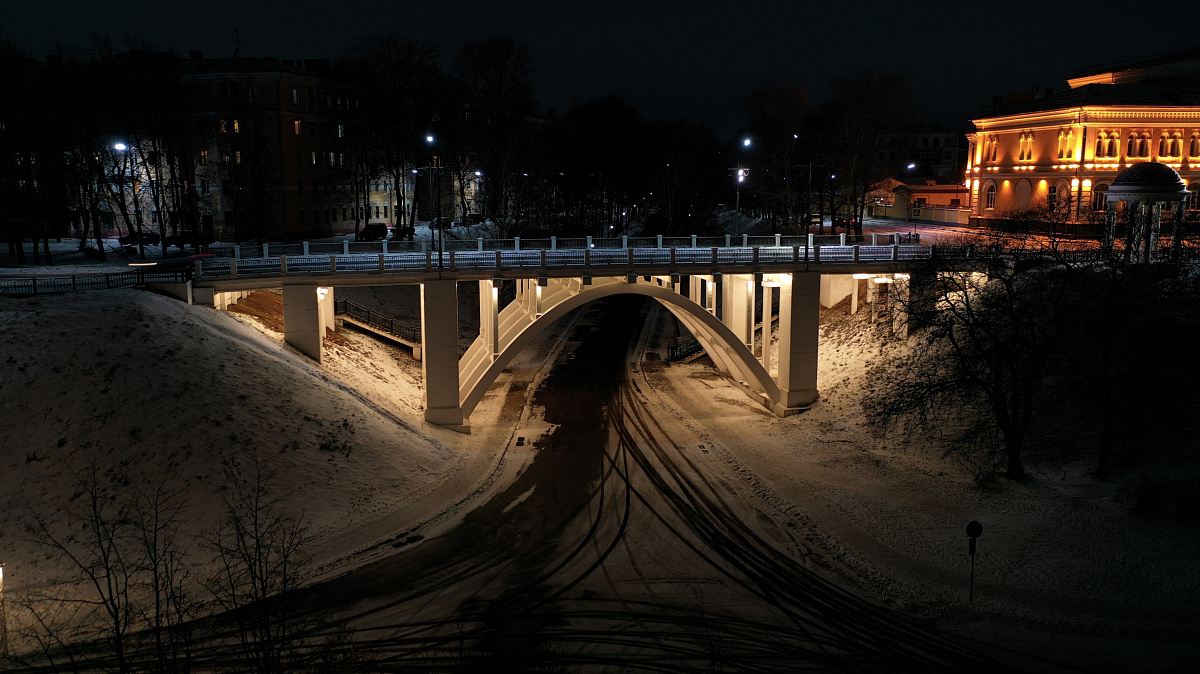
pixel 307 312
pixel 799 326
pixel 737 306
pixel 439 362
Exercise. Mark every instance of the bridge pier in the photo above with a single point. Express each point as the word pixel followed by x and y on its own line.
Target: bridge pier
pixel 737 306
pixel 439 362
pixel 307 313
pixel 799 331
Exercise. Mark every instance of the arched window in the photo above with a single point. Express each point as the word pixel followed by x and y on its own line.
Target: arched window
pixel 1177 144
pixel 1144 145
pixel 1101 145
pixel 1113 146
pixel 1193 200
pixel 1099 197
pixel 1194 147
pixel 990 197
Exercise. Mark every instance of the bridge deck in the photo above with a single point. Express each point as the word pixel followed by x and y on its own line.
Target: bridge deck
pixel 402 268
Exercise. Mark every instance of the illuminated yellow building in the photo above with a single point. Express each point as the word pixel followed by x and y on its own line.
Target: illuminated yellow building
pixel 1057 154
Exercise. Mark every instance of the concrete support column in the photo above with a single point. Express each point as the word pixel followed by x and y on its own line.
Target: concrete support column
pixel 488 318
pixel 737 306
pixel 439 362
pixel 799 325
pixel 304 318
pixel 768 290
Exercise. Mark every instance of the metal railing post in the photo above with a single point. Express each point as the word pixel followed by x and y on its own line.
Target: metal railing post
pixel 855 251
pixel 778 240
pixel 874 239
pixel 451 259
pixel 306 249
pixel 624 241
pixel 237 251
pixel 728 241
pixel 895 251
pixel 283 264
pixel 589 242
pixel 233 267
pixel 745 240
pixel 543 256
pixel 428 257
pixel 266 250
pixel 842 239
pixel 345 247
pixel 516 243
pixel 693 241
pixel 479 244
pixel 554 243
pixel 660 240
pixel 810 240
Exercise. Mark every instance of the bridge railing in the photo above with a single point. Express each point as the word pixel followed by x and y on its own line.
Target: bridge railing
pixel 247 251
pixel 378 320
pixel 604 258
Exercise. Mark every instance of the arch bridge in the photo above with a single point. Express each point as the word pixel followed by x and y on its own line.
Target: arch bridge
pixel 715 292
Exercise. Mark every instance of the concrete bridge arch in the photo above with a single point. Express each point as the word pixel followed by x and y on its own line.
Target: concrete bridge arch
pixel 454 390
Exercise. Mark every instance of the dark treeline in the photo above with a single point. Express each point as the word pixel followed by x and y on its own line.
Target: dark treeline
pixel 110 140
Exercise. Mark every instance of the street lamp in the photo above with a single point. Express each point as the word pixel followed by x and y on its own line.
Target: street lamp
pixel 431 169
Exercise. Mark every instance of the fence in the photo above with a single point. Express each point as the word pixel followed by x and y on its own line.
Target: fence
pixel 39 285
pixel 379 321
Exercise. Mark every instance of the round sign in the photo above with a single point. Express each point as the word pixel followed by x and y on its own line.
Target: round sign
pixel 974 529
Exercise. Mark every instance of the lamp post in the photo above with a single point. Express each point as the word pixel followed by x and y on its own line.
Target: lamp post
pixel 741 174
pixel 431 169
pixel 3 618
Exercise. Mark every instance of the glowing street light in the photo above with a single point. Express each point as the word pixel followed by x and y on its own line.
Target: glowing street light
pixel 745 142
pixel 119 147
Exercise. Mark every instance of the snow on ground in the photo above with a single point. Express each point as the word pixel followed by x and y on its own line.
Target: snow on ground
pixel 1061 560
pixel 148 385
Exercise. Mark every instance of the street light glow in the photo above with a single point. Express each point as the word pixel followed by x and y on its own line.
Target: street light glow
pixel 119 147
pixel 428 139
pixel 746 142
pixel 478 173
pixel 912 166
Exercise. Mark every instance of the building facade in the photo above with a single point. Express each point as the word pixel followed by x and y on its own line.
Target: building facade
pixel 1056 154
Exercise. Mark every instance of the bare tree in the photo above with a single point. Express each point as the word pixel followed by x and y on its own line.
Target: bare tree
pixel 258 550
pixel 989 345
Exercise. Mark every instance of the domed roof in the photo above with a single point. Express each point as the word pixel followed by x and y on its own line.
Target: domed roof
pixel 1148 181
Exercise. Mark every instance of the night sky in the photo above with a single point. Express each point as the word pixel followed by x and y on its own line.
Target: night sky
pixel 698 59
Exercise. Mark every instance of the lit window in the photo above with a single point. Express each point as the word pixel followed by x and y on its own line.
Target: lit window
pixel 341 131
pixel 203 157
pixel 341 159
pixel 1100 197
pixel 1194 147
pixel 991 197
pixel 221 126
pixel 236 129
pixel 1052 196
pixel 295 97
pixel 331 159
pixel 237 156
pixel 297 123
pixel 314 158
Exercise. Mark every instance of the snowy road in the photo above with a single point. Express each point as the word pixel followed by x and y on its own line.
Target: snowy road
pixel 625 543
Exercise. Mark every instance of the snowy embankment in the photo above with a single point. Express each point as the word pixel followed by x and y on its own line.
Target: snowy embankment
pixel 143 386
pixel 1064 567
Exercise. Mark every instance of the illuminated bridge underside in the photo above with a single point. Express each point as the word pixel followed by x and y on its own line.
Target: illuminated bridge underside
pixel 503 334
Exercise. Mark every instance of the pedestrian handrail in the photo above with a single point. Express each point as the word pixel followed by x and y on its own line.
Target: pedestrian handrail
pixel 42 285
pixel 379 321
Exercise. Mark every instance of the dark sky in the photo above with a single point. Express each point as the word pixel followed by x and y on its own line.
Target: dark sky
pixel 698 59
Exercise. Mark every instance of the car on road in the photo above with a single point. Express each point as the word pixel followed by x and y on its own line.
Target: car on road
pixel 372 231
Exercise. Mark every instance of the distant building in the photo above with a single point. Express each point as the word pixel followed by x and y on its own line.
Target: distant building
pixel 1057 152
pixel 932 151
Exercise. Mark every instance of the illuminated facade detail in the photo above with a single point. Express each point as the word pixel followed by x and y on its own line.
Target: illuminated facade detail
pixel 1061 150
